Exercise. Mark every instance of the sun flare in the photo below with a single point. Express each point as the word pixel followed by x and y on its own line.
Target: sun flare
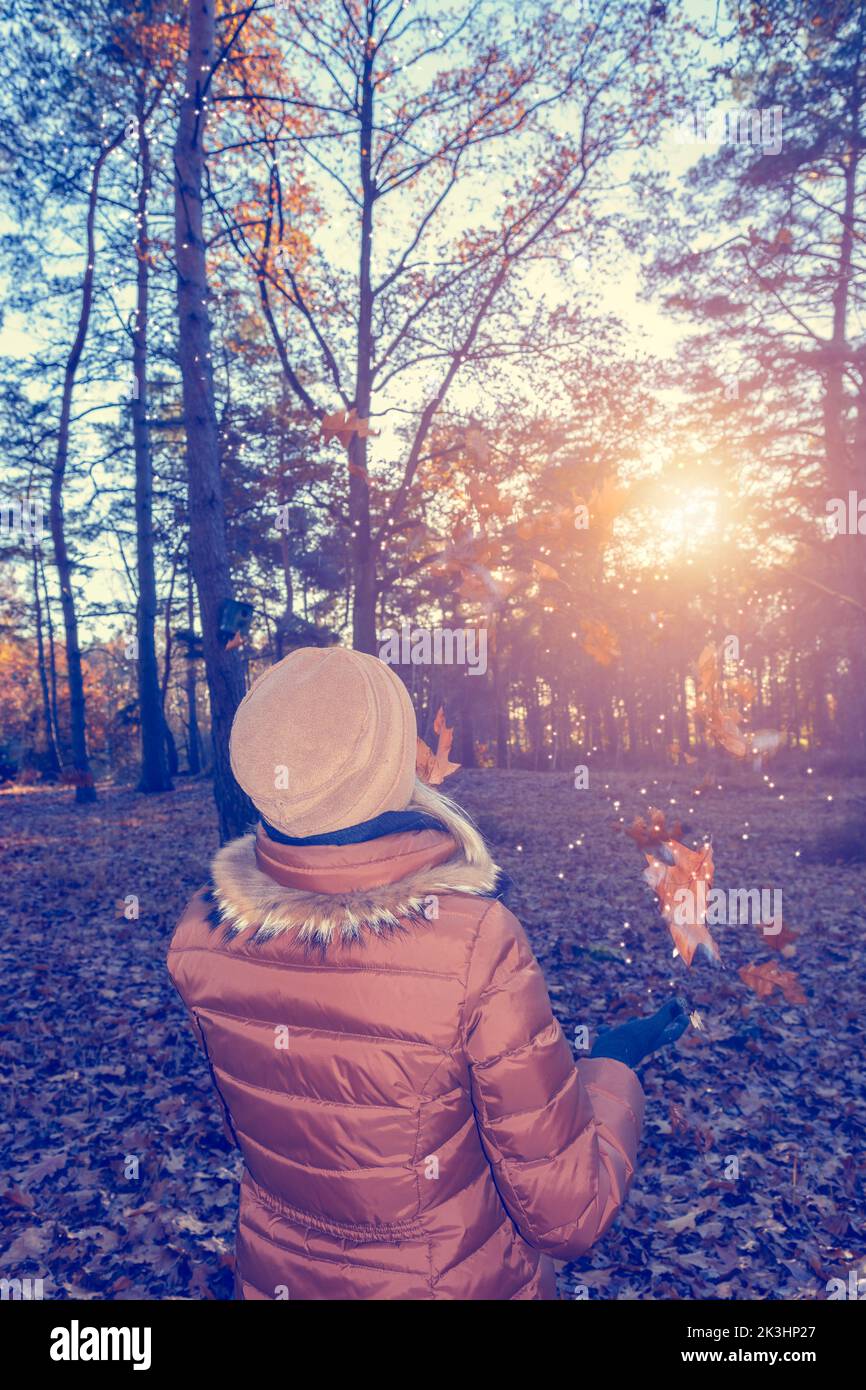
pixel 677 525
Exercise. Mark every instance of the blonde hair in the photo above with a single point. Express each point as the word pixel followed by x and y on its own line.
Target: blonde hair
pixel 453 818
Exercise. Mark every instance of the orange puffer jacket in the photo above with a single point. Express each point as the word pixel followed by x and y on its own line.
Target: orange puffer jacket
pixel 411 1119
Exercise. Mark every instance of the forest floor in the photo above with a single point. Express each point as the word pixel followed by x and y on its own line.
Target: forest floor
pixel 117 1182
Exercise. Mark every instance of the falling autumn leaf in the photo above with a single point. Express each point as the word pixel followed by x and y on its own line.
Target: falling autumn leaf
pixel 708 670
pixel 476 445
pixel 653 832
pixel 332 425
pixel 431 767
pixel 487 499
pixel 544 571
pixel 723 726
pixel 360 472
pixel 599 642
pixel 342 425
pixel 479 585
pixel 722 720
pixel 682 878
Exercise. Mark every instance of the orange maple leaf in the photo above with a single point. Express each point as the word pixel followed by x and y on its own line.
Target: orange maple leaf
pixel 477 445
pixel 655 832
pixel 342 425
pixel 487 500
pixel 708 671
pixel 682 878
pixel 723 725
pixel 599 642
pixel 541 570
pixel 722 721
pixel 361 473
pixel 431 767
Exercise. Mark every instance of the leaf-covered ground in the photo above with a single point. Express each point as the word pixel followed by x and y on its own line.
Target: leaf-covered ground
pixel 117 1182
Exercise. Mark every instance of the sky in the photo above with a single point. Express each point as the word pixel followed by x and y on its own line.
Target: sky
pixel 616 289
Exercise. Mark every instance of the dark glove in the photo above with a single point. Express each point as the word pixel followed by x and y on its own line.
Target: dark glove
pixel 633 1041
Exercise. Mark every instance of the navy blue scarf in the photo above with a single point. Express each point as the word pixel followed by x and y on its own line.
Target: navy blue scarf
pixel 389 823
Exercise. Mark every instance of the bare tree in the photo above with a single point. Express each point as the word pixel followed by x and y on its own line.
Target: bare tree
pixel 155 776
pixel 84 788
pixel 208 548
pixel 431 306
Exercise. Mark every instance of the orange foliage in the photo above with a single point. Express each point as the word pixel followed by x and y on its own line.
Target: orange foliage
pixel 431 767
pixel 599 642
pixel 676 873
pixel 722 720
pixel 655 832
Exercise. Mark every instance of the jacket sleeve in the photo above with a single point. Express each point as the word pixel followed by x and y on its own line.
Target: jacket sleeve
pixel 561 1138
pixel 175 969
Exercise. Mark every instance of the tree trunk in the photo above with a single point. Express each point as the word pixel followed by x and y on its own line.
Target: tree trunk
pixel 84 788
pixel 534 730
pixel 53 767
pixel 611 727
pixel 500 700
pixel 683 712
pixel 467 701
pixel 193 746
pixel 283 625
pixel 563 730
pixel 841 464
pixel 363 556
pixel 154 764
pixel 632 723
pixel 170 744
pixel 208 548
pixel 52 660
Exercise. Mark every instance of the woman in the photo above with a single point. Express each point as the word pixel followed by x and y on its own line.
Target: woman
pixel 412 1122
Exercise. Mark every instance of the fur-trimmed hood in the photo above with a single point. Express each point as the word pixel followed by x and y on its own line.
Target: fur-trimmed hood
pixel 323 892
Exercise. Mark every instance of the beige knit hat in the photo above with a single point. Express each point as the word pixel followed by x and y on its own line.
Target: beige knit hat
pixel 324 740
